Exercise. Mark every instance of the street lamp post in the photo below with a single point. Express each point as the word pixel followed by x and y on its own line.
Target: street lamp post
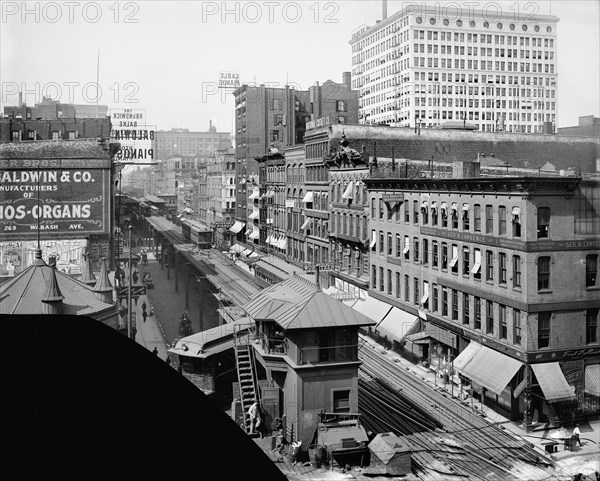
pixel 129 314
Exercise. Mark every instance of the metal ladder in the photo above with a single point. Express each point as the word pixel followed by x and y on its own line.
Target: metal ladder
pixel 244 357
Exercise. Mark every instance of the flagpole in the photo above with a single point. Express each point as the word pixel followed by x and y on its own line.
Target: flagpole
pixel 97 82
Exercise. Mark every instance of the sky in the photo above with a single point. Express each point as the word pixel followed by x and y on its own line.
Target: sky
pixel 166 57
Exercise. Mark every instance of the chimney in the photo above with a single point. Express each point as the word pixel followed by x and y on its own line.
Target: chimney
pixel 347 79
pixel 383 9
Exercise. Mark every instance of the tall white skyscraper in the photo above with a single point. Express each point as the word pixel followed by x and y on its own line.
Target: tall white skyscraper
pixel 492 68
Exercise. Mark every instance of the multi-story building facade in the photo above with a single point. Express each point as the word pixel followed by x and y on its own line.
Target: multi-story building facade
pixel 220 190
pixel 502 271
pixel 277 117
pixel 272 184
pixel 429 65
pixel 183 143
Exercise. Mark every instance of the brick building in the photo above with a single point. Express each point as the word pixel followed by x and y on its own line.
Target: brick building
pixel 500 272
pixel 18 130
pixel 277 117
pixel 183 143
pixel 49 109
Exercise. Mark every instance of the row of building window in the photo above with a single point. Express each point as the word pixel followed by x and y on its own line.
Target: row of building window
pixel 455 217
pixel 468 309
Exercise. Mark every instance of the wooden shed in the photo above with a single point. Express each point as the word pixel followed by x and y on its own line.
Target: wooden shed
pixel 391 454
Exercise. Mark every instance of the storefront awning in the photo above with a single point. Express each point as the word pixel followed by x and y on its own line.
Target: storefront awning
pixel 238 226
pixel 491 369
pixel 306 223
pixel 466 356
pixel 254 195
pixel 308 197
pixel 592 379
pixel 254 215
pixel 372 308
pixel 255 234
pixel 236 248
pixel 553 383
pixel 396 324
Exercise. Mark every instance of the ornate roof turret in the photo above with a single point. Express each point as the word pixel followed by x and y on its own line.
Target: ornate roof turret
pixel 87 276
pixel 38 261
pixel 103 288
pixel 52 297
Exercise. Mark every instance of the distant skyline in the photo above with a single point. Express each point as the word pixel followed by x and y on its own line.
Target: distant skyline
pixel 165 57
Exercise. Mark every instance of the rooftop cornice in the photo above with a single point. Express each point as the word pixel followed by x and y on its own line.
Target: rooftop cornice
pixel 526 186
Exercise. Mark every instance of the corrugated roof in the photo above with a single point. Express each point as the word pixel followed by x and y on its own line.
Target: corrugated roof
pixel 297 304
pixel 23 293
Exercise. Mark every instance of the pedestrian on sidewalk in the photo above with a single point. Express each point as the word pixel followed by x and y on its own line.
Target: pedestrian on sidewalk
pixel 155 351
pixel 576 434
pixel 144 306
pixel 135 277
pixel 145 315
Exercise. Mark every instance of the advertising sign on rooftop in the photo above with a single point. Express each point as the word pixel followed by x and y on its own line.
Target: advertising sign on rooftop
pixel 229 80
pixel 129 128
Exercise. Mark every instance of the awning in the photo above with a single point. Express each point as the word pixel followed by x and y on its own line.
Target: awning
pixel 236 248
pixel 306 223
pixel 246 252
pixel 373 240
pixel 466 356
pixel 187 210
pixel 238 226
pixel 308 197
pixel 444 208
pixel 491 369
pixel 418 338
pixel 283 244
pixel 349 192
pixel 465 207
pixel 249 230
pixel 477 264
pixel 406 245
pixel 254 194
pixel 434 205
pixel 254 215
pixel 424 205
pixel 425 298
pixel 269 239
pixel 252 255
pixel 372 308
pixel 271 193
pixel 454 256
pixel 255 234
pixel 396 324
pixel 592 379
pixel 269 221
pixel 454 207
pixel 516 211
pixel 553 383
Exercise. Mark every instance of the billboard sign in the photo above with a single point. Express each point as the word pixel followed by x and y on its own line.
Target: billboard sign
pixel 229 80
pixel 129 128
pixel 59 202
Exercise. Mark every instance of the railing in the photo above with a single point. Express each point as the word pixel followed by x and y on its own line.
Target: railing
pixel 272 345
pixel 344 353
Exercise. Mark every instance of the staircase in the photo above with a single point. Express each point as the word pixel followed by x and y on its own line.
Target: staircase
pixel 244 357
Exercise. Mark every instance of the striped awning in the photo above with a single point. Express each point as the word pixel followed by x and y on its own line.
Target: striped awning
pixel 491 369
pixel 553 382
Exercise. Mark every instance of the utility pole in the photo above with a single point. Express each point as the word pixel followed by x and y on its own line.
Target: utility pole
pixel 129 315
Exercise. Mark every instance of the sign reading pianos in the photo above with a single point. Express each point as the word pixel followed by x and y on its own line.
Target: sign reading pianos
pixel 62 198
pixel 129 129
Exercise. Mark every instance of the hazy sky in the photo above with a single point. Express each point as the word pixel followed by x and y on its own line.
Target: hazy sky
pixel 165 57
